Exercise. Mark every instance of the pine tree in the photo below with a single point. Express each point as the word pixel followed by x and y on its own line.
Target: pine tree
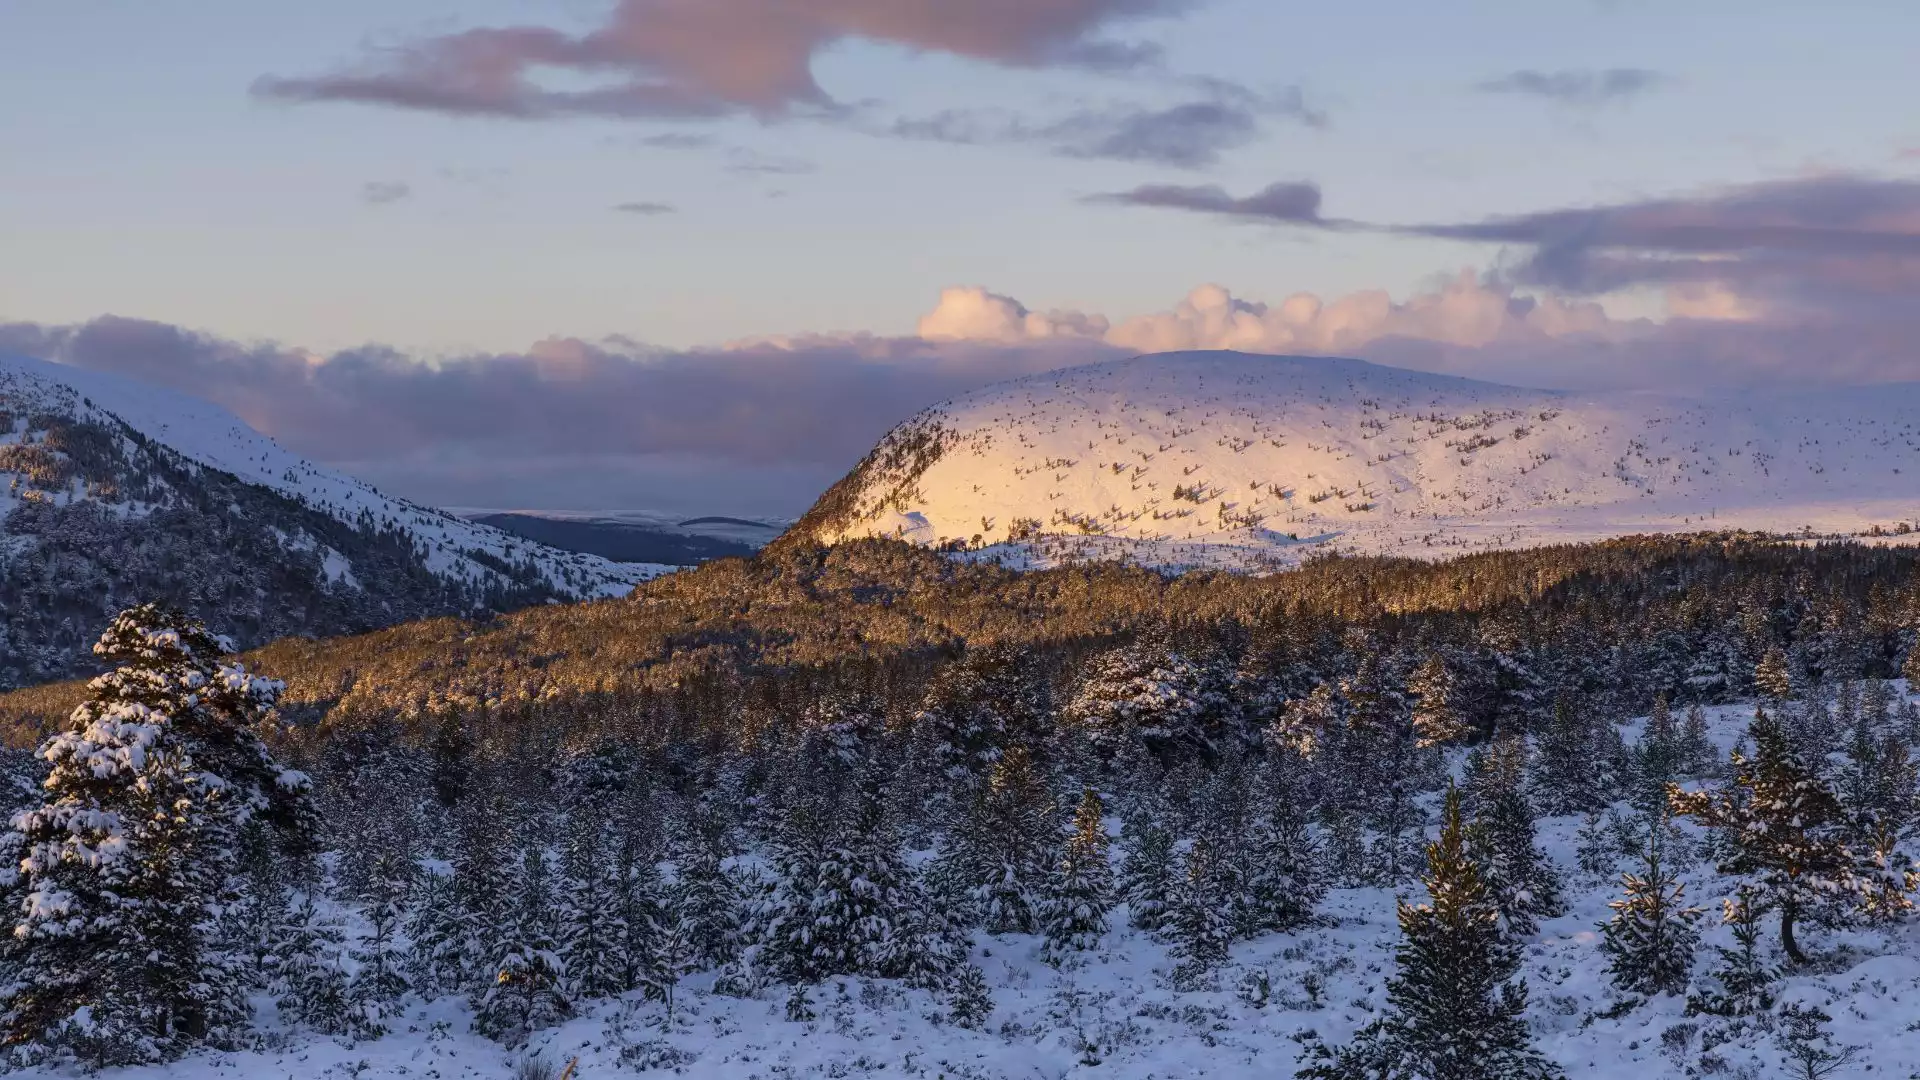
pixel 1783 829
pixel 702 899
pixel 1458 1007
pixel 1437 713
pixel 969 1002
pixel 592 931
pixel 975 708
pixel 1146 871
pixel 1659 758
pixel 1008 848
pixel 435 964
pixel 1284 883
pixel 382 977
pixel 1650 939
pixel 1573 759
pixel 131 855
pixel 1519 879
pixel 638 913
pixel 1078 896
pixel 481 905
pixel 935 943
pixel 1595 848
pixel 528 989
pixel 1150 694
pixel 1201 919
pixel 1910 669
pixel 1700 756
pixel 314 985
pixel 1745 979
pixel 1772 677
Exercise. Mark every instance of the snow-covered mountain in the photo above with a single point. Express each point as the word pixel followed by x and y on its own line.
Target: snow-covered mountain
pixel 112 491
pixel 1229 459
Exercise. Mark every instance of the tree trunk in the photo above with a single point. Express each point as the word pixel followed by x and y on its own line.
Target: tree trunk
pixel 1787 914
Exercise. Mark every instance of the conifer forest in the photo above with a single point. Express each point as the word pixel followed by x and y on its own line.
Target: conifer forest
pixel 1645 807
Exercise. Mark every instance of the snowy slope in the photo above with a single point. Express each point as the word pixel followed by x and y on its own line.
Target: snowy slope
pixel 1220 458
pixel 211 436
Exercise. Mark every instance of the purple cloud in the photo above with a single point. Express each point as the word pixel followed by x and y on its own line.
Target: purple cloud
pixel 703 58
pixel 645 209
pixel 1189 135
pixel 382 192
pixel 1286 202
pixel 1583 88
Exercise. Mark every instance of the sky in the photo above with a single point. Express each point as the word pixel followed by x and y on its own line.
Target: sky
pixel 696 255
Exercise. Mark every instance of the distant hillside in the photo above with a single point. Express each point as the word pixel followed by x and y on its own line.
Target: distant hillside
pixel 686 543
pixel 1227 459
pixel 113 492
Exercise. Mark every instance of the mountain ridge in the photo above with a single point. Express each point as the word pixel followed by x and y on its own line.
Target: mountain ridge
pixel 113 492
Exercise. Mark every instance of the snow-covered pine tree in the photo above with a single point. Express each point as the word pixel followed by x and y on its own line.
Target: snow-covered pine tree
pixel 481 904
pixel 1201 919
pixel 1595 847
pixel 1285 876
pixel 975 708
pixel 129 857
pixel 1772 676
pixel 935 943
pixel 1081 892
pixel 435 964
pixel 1439 717
pixel 969 1002
pixel 702 901
pixel 1458 1007
pixel 1650 939
pixel 1149 693
pixel 1698 754
pixel 1573 760
pixel 253 923
pixel 381 980
pixel 1146 878
pixel 528 990
pixel 637 911
pixel 1782 829
pixel 1520 880
pixel 1008 848
pixel 592 931
pixel 314 985
pixel 1659 758
pixel 1744 977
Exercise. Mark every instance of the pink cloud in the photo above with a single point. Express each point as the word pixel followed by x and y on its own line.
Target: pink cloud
pixel 691 58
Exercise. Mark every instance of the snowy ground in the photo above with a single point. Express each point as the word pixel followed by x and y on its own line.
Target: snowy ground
pixel 1115 1017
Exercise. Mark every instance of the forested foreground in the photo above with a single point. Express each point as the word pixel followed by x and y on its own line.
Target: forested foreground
pixel 1642 808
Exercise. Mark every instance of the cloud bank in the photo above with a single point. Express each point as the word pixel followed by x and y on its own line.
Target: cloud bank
pixel 1789 283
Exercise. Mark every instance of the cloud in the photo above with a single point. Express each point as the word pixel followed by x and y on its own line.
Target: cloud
pixel 381 192
pixel 1835 248
pixel 645 209
pixel 678 140
pixel 971 313
pixel 1286 202
pixel 1582 88
pixel 703 58
pixel 1190 134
